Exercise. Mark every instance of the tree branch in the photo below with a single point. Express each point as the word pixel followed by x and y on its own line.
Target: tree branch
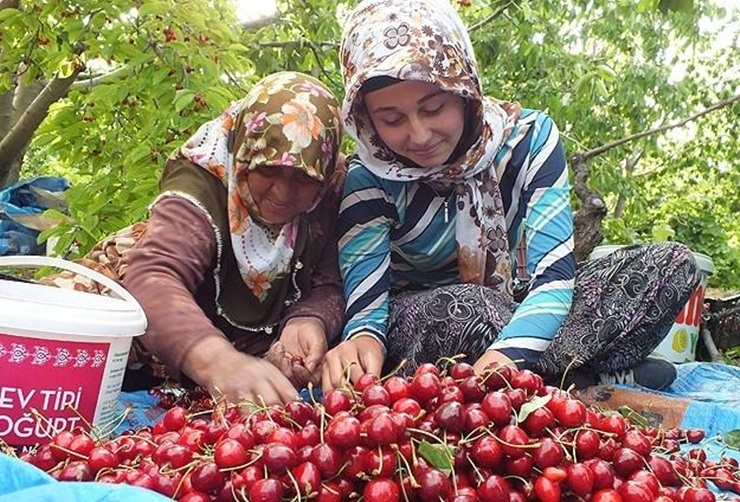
pixel 289 43
pixel 86 82
pixel 20 135
pixel 9 4
pixel 490 18
pixel 6 109
pixel 603 148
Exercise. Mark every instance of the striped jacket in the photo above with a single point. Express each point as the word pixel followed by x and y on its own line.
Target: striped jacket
pixel 401 235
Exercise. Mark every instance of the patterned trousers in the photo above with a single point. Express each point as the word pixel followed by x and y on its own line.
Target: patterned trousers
pixel 623 306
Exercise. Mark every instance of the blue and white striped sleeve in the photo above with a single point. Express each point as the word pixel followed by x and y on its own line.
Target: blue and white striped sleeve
pixel 548 229
pixel 365 217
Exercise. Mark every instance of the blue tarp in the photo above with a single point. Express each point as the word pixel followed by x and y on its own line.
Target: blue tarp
pixel 22 481
pixel 19 204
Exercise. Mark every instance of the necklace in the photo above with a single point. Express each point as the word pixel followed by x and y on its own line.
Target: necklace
pixel 446 191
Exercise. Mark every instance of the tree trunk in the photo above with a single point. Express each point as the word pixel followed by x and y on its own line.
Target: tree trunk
pixel 14 144
pixel 587 220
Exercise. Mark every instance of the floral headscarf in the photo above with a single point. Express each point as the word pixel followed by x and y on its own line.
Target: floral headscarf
pixel 426 41
pixel 287 119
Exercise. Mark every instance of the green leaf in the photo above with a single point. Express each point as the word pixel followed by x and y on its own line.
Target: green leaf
pixel 732 439
pixel 439 455
pixel 149 8
pixel 532 405
pixel 8 13
pixel 183 99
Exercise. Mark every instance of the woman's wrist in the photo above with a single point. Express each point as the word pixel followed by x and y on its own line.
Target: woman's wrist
pixel 203 356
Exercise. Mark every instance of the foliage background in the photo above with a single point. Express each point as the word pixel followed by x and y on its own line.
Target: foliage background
pixel 146 75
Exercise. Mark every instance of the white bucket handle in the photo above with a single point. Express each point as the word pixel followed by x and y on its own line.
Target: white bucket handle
pixel 50 261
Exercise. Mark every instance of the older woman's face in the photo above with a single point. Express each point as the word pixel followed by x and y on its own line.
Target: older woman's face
pixel 282 192
pixel 417 120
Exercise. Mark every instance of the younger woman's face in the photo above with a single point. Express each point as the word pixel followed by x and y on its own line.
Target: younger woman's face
pixel 417 120
pixel 282 192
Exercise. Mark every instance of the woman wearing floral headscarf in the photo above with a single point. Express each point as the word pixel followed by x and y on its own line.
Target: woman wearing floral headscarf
pixel 446 184
pixel 239 254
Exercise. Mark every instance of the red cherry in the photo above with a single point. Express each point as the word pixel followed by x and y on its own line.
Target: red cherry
pixel 300 412
pixel 101 458
pixel 60 445
pixel 175 418
pixel 517 397
pixel 278 457
pixel 632 491
pixel 514 438
pixel 207 478
pixel 426 368
pixel 283 435
pixel 587 444
pixel 262 428
pixel 487 452
pixel 606 495
pixel 77 470
pixel 397 388
pixel 694 435
pixel 407 405
pixel 241 433
pixel 343 432
pixel 637 441
pixel 548 454
pixel 82 444
pixel 521 466
pixel 381 490
pixel 698 495
pixel 497 376
pixel 192 439
pixel 546 490
pixel 335 401
pixel 572 413
pixel 376 394
pixel 425 386
pixel 626 461
pixel 494 489
pixel 647 479
pixel 473 389
pixel 580 479
pixel 451 416
pixel 614 424
pixel 475 417
pixel 230 453
pixel 602 473
pixel 382 430
pixel 528 380
pixel 308 477
pixel 497 406
pixel 266 490
pixel 537 421
pixel 381 462
pixel 366 380
pixel 434 485
pixel 449 394
pixel 309 435
pixel 327 458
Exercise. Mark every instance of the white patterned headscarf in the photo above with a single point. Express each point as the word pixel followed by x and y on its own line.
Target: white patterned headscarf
pixel 287 119
pixel 426 41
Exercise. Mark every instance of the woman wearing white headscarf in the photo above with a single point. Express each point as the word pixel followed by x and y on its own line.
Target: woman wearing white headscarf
pixel 445 184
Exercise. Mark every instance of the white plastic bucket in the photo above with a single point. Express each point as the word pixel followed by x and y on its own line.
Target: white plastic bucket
pixel 63 353
pixel 679 345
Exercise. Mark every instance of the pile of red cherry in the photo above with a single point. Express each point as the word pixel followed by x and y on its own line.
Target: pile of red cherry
pixel 439 435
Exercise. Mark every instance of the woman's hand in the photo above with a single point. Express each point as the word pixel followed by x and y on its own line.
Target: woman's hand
pixel 362 354
pixel 491 356
pixel 216 365
pixel 300 350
